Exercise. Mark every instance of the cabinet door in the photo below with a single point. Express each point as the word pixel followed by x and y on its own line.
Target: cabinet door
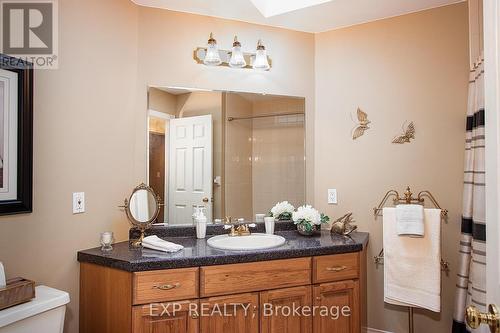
pixel 337 307
pixel 282 310
pixel 230 314
pixel 174 317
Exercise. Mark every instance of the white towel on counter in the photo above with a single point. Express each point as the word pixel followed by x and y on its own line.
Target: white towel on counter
pixel 410 220
pixel 156 243
pixel 412 266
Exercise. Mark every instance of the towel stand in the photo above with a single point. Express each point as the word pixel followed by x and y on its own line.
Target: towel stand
pixel 408 198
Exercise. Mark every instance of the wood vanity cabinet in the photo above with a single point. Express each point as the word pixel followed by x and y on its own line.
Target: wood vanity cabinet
pixel 236 298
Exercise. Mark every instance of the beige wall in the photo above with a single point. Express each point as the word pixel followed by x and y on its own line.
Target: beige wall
pixel 408 68
pixel 162 101
pixel 83 141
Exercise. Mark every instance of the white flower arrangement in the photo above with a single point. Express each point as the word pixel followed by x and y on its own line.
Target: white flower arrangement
pixel 309 217
pixel 282 211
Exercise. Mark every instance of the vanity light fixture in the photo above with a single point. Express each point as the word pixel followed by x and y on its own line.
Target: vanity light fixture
pixel 237 59
pixel 212 57
pixel 261 63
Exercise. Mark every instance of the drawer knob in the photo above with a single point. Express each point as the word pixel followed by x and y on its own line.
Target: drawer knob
pixel 195 316
pixel 167 286
pixel 336 268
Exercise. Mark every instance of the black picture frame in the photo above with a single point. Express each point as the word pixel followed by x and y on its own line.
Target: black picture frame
pixel 24 200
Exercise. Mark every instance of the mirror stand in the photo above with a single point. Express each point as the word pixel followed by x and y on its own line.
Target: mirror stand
pixel 137 209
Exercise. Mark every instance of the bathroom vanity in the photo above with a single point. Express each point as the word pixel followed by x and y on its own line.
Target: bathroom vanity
pixel 224 284
pixel 202 289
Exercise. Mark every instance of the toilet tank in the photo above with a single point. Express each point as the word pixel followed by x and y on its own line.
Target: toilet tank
pixel 43 314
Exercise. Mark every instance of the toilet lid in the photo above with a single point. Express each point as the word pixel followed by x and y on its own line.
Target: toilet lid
pixel 46 299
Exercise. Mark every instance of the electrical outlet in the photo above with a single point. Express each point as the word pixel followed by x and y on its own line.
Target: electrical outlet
pixel 332 196
pixel 78 202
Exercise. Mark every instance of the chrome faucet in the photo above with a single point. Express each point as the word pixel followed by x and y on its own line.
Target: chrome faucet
pixel 239 228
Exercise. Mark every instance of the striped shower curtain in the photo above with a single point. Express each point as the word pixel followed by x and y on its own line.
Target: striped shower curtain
pixel 471 276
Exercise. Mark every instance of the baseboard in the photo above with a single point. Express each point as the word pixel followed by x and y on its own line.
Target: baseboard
pixel 372 330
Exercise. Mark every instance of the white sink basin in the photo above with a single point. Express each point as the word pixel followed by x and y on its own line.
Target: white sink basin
pixel 246 243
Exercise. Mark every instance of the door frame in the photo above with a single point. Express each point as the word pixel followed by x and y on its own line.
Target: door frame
pixel 491 21
pixel 166 117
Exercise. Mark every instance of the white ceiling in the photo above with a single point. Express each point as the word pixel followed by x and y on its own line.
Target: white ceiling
pixel 322 17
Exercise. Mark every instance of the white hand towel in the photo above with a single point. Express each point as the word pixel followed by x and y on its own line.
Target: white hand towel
pixel 156 243
pixel 410 220
pixel 412 266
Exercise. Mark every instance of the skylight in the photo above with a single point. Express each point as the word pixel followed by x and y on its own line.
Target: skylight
pixel 270 8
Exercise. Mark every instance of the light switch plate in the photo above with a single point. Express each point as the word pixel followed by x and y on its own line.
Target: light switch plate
pixel 332 196
pixel 78 202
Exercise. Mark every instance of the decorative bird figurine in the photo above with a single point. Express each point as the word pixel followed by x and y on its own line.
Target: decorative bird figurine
pixel 362 125
pixel 342 226
pixel 407 135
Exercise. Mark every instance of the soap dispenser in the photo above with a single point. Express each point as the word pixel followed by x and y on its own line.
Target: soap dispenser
pixel 196 213
pixel 201 223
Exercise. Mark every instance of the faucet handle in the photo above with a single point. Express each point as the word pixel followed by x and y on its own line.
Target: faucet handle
pixel 228 220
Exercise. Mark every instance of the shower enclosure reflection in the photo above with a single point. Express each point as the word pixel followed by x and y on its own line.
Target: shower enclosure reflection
pixel 236 154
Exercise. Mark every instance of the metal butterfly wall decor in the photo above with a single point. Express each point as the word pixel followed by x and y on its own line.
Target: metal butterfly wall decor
pixel 409 133
pixel 362 126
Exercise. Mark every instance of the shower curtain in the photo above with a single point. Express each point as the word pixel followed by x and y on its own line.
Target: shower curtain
pixel 471 276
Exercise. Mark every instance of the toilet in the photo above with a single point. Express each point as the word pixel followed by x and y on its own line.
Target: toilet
pixel 44 314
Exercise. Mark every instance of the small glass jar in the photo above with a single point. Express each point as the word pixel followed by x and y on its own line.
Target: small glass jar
pixel 107 240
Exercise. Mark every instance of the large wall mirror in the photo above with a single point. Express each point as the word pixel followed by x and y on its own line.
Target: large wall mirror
pixel 237 154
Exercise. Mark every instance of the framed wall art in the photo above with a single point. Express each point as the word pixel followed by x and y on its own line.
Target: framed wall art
pixel 16 136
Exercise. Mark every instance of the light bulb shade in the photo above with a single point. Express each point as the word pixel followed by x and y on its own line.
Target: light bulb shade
pixel 260 62
pixel 212 57
pixel 237 59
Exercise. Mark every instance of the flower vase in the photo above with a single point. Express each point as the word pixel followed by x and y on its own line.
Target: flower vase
pixel 304 231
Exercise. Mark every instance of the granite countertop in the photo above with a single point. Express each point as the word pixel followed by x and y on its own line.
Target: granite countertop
pixel 196 252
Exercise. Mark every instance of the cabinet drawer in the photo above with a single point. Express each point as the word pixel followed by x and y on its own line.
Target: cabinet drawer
pixel 248 277
pixel 165 285
pixel 336 267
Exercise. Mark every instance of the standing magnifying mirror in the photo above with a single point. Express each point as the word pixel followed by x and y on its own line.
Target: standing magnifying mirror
pixel 142 209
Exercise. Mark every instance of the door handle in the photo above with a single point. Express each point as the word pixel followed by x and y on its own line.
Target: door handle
pixel 475 318
pixel 205 200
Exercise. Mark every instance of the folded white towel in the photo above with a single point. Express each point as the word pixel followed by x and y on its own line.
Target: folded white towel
pixel 412 266
pixel 410 220
pixel 156 243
